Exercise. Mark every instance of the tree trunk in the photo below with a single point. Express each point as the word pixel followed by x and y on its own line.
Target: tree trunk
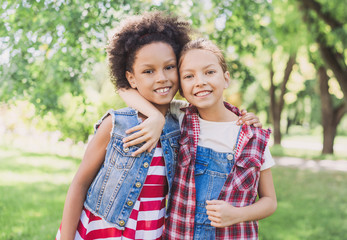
pixel 330 116
pixel 276 106
pixel 329 128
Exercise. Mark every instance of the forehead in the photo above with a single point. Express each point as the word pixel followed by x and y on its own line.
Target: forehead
pixel 155 51
pixel 198 58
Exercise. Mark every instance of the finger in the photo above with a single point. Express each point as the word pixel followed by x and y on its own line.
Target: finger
pixel 213 214
pixel 249 116
pixel 214 202
pixel 152 147
pixel 258 125
pixel 135 141
pixel 133 129
pixel 239 121
pixel 140 150
pixel 133 136
pixel 214 224
pixel 214 219
pixel 243 112
pixel 252 121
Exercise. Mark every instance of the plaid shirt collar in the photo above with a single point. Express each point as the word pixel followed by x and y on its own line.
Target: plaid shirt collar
pixel 180 224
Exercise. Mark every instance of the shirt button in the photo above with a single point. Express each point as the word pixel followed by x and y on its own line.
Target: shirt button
pixel 146 165
pixel 230 157
pixel 138 184
pixel 126 149
pixel 121 223
pixel 130 203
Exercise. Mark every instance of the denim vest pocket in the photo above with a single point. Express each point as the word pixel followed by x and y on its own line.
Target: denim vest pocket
pixel 246 173
pixel 122 158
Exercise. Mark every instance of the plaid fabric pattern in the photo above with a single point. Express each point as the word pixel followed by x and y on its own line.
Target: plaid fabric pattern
pixel 240 188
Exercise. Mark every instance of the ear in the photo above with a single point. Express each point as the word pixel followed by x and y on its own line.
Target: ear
pixel 131 79
pixel 227 79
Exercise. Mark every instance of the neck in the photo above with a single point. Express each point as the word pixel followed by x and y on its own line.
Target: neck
pixel 162 108
pixel 217 114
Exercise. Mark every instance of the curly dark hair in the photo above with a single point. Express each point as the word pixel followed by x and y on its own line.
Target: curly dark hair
pixel 137 31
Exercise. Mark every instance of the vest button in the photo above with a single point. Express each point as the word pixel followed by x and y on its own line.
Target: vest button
pixel 230 157
pixel 130 203
pixel 146 165
pixel 138 184
pixel 121 223
pixel 126 149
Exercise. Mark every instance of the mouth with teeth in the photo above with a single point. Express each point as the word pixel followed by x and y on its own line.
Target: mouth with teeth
pixel 202 93
pixel 163 90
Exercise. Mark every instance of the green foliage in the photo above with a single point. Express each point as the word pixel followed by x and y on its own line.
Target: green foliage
pixel 49 50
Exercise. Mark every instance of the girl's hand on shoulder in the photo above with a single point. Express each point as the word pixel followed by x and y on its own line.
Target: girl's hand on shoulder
pixel 222 214
pixel 249 119
pixel 147 132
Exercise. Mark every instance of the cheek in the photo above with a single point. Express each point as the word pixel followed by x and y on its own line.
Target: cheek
pixel 185 88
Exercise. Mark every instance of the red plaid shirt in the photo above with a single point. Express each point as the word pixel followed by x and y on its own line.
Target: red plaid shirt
pixel 240 188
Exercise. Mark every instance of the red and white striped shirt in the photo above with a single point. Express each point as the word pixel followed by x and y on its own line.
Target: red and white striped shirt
pixel 146 220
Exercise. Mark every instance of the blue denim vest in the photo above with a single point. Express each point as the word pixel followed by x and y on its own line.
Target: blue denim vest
pixel 116 187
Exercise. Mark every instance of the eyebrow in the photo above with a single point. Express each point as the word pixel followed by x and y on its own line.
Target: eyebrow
pixel 207 66
pixel 165 62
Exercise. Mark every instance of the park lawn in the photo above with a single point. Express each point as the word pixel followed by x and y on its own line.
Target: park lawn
pixel 32 193
pixel 311 205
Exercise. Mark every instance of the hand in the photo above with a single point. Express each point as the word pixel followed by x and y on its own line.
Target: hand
pixel 223 214
pixel 249 119
pixel 149 131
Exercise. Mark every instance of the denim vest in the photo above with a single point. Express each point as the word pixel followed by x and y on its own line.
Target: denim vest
pixel 116 187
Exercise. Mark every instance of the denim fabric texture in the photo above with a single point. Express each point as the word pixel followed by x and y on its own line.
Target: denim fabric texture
pixel 211 170
pixel 116 187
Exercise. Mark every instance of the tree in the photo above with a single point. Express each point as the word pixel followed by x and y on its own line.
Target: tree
pixel 325 21
pixel 331 116
pixel 278 103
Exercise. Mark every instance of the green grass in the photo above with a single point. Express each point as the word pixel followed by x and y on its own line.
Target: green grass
pixel 311 205
pixel 32 193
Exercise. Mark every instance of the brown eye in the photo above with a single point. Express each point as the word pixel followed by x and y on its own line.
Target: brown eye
pixel 149 71
pixel 170 67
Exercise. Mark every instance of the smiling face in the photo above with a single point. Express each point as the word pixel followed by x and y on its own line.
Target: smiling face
pixel 203 79
pixel 155 74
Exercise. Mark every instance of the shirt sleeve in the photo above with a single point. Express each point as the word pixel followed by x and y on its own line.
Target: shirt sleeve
pixel 269 161
pixel 175 107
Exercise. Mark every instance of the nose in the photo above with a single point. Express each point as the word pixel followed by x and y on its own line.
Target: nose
pixel 200 80
pixel 161 77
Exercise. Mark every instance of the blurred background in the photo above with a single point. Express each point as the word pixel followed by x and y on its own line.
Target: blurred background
pixel 287 59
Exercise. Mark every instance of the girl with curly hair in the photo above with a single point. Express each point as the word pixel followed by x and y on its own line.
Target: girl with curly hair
pixel 115 195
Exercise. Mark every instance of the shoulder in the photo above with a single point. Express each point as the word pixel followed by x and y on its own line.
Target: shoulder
pixel 123 111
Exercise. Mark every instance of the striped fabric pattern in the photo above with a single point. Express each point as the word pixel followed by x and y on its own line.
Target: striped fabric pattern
pixel 146 220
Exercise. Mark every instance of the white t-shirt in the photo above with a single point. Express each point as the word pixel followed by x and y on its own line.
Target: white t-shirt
pixel 219 136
